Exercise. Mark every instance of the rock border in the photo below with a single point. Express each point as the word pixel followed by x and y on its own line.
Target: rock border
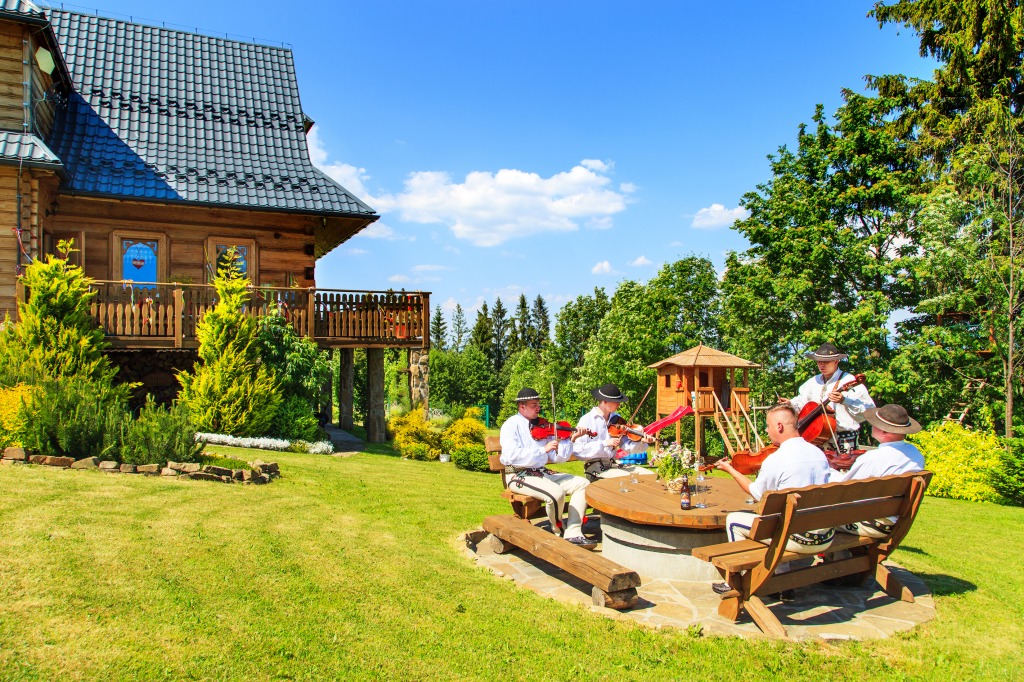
pixel 260 473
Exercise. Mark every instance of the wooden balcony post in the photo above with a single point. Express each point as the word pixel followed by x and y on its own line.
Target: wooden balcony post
pixel 425 320
pixel 376 428
pixel 179 315
pixel 346 387
pixel 19 298
pixel 311 313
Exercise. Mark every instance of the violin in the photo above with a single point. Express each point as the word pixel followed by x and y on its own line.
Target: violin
pixel 816 422
pixel 541 428
pixel 744 461
pixel 618 427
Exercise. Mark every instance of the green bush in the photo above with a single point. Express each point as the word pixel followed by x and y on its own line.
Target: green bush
pixel 420 451
pixel 301 368
pixel 74 418
pixel 1008 479
pixel 472 458
pixel 230 390
pixel 964 462
pixel 158 435
pixel 468 430
pixel 295 420
pixel 412 428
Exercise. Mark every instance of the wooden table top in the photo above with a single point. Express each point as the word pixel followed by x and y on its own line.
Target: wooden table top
pixel 648 502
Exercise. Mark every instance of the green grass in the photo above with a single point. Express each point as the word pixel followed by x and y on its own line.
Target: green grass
pixel 346 568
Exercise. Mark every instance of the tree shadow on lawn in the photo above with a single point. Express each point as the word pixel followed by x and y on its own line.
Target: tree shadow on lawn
pixel 946 585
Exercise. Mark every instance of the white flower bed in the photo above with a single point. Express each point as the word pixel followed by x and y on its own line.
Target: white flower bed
pixel 324 447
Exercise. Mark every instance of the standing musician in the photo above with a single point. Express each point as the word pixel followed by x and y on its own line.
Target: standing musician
pixel 599 451
pixel 849 405
pixel 795 464
pixel 890 425
pixel 526 459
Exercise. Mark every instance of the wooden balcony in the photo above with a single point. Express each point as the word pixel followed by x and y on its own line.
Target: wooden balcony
pixel 152 315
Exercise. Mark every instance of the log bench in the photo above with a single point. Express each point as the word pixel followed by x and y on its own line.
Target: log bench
pixel 614 586
pixel 749 565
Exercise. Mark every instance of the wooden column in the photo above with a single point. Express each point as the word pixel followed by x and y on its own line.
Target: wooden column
pixel 698 421
pixel 375 422
pixel 346 387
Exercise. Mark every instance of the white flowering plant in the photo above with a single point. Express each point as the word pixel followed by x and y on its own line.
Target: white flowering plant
pixel 324 447
pixel 672 460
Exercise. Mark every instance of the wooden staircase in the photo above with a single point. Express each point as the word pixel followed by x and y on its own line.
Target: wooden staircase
pixel 736 427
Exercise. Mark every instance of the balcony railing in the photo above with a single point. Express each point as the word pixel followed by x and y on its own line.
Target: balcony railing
pixel 141 314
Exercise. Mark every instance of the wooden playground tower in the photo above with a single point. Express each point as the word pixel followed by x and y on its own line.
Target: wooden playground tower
pixel 705 379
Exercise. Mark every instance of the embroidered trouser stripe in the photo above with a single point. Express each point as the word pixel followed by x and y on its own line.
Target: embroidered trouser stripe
pixel 738 524
pixel 553 489
pixel 552 504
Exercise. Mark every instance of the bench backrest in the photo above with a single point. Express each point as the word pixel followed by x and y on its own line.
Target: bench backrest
pixel 492 444
pixel 836 504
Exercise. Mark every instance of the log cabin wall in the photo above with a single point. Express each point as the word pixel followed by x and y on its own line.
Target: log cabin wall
pixel 37 191
pixel 12 76
pixel 284 243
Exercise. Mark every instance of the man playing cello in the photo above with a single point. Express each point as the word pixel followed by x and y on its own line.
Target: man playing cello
pixel 849 405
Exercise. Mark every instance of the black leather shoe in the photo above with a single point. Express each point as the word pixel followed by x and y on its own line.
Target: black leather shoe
pixel 721 588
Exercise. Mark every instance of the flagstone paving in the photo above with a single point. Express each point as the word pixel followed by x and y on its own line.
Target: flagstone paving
pixel 818 612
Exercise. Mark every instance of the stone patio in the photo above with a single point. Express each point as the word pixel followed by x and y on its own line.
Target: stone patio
pixel 818 612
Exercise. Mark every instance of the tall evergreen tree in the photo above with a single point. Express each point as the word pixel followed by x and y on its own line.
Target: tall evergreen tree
pixel 482 335
pixel 438 330
pixel 500 325
pixel 541 324
pixel 460 332
pixel 521 326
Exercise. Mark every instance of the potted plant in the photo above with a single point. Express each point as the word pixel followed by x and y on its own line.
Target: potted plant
pixel 672 462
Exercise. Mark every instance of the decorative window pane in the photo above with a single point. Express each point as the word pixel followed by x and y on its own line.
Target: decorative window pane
pixel 241 257
pixel 139 260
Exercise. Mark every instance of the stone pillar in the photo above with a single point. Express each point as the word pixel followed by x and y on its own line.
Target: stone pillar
pixel 419 378
pixel 346 387
pixel 376 431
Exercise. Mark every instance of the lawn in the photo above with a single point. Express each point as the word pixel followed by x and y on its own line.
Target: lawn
pixel 347 568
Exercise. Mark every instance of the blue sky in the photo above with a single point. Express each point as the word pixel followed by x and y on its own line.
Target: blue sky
pixel 548 147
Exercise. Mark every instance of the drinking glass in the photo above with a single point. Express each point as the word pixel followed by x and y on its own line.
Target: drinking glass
pixel 699 488
pixel 634 478
pixel 624 484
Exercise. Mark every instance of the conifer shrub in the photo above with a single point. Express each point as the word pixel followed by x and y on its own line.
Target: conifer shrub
pixel 964 462
pixel 471 457
pixel 295 421
pixel 230 389
pixel 412 428
pixel 1008 480
pixel 74 418
pixel 11 401
pixel 157 435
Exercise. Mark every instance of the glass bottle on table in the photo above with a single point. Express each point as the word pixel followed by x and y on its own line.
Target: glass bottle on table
pixel 684 495
pixel 699 489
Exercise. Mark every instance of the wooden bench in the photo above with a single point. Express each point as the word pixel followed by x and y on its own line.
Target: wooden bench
pixel 614 585
pixel 749 565
pixel 523 506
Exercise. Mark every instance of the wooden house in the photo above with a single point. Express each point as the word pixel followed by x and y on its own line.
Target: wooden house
pixel 706 380
pixel 156 151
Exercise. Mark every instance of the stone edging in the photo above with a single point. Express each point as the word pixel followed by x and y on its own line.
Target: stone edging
pixel 261 472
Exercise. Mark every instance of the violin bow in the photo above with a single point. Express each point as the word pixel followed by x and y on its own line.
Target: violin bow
pixel 640 404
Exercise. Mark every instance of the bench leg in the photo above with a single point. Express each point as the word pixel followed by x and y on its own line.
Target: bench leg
pixel 499 546
pixel 764 618
pixel 730 606
pixel 621 599
pixel 891 586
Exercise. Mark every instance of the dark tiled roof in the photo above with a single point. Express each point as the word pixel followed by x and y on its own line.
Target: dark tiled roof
pixel 165 115
pixel 18 147
pixel 21 9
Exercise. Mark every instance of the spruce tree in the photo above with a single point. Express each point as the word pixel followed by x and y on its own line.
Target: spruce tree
pixel 459 329
pixel 438 330
pixel 500 326
pixel 482 335
pixel 541 323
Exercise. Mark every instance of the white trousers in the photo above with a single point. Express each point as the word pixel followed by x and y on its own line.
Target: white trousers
pixel 625 471
pixel 738 524
pixel 552 489
pixel 606 468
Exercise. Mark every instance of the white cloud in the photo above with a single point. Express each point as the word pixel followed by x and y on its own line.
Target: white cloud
pixel 597 165
pixel 676 243
pixel 348 176
pixel 379 230
pixel 600 223
pixel 717 215
pixel 451 249
pixel 429 268
pixel 398 278
pixel 602 268
pixel 639 261
pixel 449 305
pixel 627 187
pixel 356 252
pixel 489 209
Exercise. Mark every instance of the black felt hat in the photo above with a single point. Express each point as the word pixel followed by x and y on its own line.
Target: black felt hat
pixel 892 419
pixel 826 352
pixel 527 394
pixel 609 392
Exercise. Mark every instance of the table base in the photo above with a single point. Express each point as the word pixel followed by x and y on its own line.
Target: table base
pixel 658 551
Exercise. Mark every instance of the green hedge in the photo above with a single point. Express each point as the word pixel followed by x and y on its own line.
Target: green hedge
pixel 471 457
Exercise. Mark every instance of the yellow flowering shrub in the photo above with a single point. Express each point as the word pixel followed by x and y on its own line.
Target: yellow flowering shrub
pixel 414 437
pixel 964 462
pixel 11 400
pixel 467 430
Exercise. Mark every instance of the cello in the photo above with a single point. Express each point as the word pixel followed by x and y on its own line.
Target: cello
pixel 816 421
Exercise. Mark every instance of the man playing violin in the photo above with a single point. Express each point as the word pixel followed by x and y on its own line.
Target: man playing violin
pixel 849 405
pixel 526 459
pixel 599 451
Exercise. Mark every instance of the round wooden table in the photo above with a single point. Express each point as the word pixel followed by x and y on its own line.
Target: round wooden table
pixel 645 529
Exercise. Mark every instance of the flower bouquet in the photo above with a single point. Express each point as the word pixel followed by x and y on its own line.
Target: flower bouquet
pixel 672 462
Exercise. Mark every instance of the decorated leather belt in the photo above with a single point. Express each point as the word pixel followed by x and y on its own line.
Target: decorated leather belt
pixel 811 538
pixel 520 471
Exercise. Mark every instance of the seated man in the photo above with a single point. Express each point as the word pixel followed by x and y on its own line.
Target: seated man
pixel 795 464
pixel 599 451
pixel 890 425
pixel 525 460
